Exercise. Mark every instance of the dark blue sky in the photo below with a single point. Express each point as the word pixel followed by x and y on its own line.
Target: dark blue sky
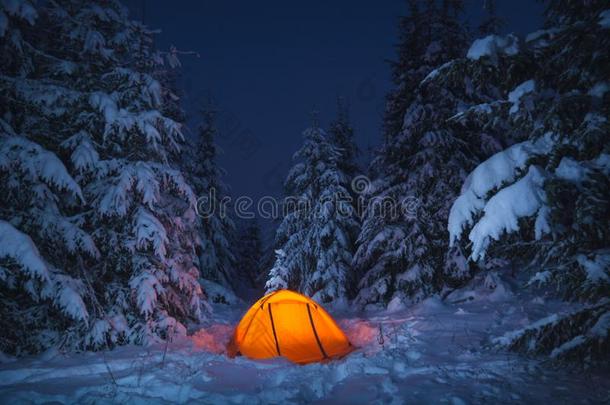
pixel 267 63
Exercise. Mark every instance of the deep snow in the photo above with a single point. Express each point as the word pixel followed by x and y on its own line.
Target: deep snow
pixel 433 352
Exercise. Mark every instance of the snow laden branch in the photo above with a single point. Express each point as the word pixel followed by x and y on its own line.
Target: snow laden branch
pixel 16 9
pixel 41 282
pixel 496 195
pixel 21 249
pixel 500 213
pixel 18 154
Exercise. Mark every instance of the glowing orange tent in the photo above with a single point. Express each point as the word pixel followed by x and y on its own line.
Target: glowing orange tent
pixel 286 323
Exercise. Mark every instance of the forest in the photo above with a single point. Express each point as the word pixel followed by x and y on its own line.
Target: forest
pixel 466 259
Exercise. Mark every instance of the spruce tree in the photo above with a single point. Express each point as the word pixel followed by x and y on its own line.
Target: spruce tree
pixel 409 68
pixel 548 208
pixel 280 277
pixel 314 235
pixel 118 214
pixel 216 227
pixel 43 296
pixel 401 248
pixel 341 135
pixel 142 209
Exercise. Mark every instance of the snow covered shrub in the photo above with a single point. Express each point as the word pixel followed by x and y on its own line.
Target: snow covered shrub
pixel 553 188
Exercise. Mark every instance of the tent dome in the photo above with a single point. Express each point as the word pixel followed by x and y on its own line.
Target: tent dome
pixel 286 323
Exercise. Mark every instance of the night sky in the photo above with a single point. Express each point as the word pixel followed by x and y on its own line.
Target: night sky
pixel 268 63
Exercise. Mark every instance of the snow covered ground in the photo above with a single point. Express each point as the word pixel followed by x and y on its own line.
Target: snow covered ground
pixel 434 352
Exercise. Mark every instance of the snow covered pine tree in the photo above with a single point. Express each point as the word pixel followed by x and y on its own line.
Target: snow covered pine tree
pixel 215 225
pixel 314 236
pixel 341 136
pixel 280 277
pixel 109 217
pixel 41 235
pixel 402 247
pixel 553 188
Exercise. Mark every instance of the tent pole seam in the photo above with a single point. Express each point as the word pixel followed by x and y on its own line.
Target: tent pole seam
pixel 277 344
pixel 315 332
